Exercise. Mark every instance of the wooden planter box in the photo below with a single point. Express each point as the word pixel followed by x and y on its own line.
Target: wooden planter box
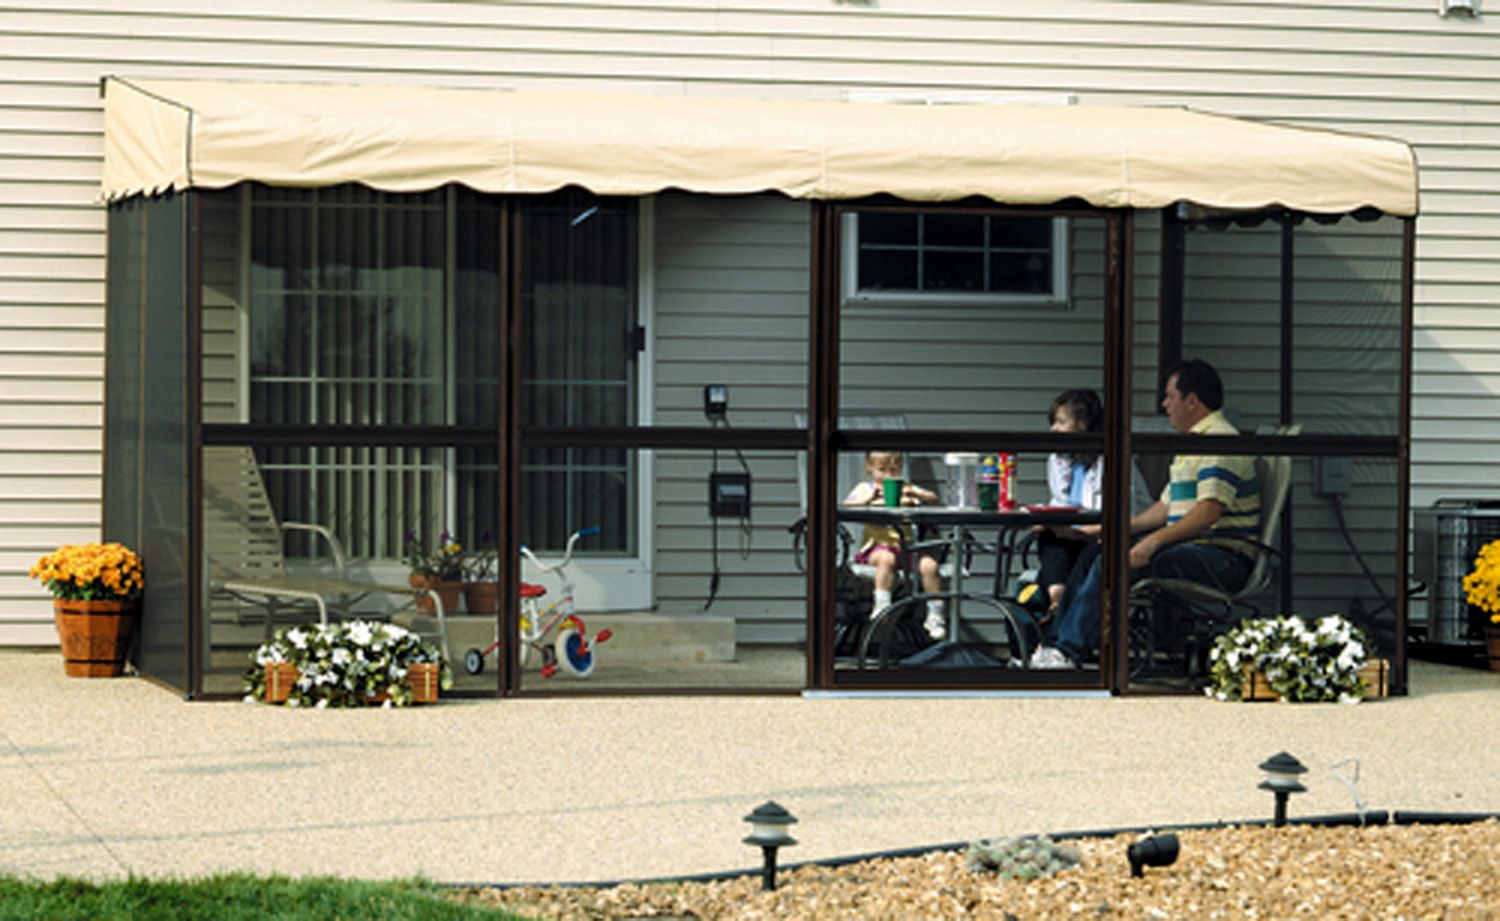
pixel 280 677
pixel 422 678
pixel 1375 674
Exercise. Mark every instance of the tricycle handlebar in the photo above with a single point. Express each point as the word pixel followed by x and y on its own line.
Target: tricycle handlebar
pixel 567 551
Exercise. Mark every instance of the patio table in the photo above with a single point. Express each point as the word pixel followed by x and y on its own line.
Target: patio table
pixel 955 525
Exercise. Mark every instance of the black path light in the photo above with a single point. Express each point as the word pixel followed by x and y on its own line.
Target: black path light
pixel 768 831
pixel 1156 851
pixel 1281 779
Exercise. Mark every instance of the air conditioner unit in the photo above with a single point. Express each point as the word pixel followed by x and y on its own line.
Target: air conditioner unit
pixel 1445 540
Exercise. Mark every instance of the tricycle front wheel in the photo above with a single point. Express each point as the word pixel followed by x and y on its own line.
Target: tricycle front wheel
pixel 575 654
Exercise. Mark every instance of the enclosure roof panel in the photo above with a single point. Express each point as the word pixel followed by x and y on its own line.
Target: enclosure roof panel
pixel 175 134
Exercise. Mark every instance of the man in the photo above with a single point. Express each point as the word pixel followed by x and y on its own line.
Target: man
pixel 1189 531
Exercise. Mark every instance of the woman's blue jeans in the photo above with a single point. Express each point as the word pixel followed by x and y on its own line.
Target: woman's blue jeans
pixel 1076 630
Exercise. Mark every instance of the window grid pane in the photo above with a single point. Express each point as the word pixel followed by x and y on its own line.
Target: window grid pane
pixel 955 253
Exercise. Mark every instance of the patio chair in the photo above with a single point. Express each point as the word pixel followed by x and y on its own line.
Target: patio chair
pixel 854 583
pixel 1189 615
pixel 244 556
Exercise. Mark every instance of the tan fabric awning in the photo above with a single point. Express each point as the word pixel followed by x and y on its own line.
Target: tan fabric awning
pixel 178 134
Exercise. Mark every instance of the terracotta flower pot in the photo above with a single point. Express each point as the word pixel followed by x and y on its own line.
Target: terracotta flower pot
pixel 1492 645
pixel 481 597
pixel 94 635
pixel 449 591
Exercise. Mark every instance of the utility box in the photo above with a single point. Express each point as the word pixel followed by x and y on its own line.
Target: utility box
pixel 1445 540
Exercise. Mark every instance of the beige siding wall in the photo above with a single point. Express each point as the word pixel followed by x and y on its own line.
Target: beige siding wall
pixel 1385 66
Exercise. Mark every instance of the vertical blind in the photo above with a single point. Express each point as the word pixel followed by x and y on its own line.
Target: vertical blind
pixel 370 308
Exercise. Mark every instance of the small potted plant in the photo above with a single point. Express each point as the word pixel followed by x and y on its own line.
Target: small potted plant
pixel 346 665
pixel 440 568
pixel 1290 660
pixel 481 580
pixel 1482 587
pixel 94 588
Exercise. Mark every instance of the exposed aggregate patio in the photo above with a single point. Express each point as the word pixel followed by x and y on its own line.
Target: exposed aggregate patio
pixel 110 777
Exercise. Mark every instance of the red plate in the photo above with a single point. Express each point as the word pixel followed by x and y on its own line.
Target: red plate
pixel 1051 508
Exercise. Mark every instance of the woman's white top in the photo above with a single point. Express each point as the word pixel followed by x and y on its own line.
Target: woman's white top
pixel 1060 483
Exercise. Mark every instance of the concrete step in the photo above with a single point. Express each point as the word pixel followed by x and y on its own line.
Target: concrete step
pixel 637 637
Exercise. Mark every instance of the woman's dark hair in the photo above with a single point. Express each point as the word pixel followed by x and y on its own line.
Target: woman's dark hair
pixel 1085 407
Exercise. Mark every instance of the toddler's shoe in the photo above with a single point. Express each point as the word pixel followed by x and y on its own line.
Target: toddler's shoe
pixel 935 626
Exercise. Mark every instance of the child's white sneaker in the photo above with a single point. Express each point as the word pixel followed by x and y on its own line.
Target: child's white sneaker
pixel 935 626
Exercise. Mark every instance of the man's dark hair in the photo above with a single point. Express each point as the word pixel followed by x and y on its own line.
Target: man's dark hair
pixel 1194 375
pixel 1083 405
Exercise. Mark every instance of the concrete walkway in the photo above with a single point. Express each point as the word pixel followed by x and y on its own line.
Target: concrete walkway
pixel 107 777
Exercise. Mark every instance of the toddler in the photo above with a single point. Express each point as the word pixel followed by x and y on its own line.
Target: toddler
pixel 882 545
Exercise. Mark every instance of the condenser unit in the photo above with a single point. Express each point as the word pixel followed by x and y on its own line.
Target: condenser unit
pixel 1445 540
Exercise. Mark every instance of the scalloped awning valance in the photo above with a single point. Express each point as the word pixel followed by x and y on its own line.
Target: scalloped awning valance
pixel 176 134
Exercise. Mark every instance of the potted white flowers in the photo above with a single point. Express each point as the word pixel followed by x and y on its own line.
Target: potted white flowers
pixel 1288 658
pixel 346 665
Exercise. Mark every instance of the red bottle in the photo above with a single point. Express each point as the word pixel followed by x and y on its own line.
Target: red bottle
pixel 1007 481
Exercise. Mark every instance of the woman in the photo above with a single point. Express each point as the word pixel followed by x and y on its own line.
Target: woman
pixel 1075 480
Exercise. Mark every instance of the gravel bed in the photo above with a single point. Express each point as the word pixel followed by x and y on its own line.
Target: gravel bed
pixel 1407 872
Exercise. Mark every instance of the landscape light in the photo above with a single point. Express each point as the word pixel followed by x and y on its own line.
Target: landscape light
pixel 1281 779
pixel 768 832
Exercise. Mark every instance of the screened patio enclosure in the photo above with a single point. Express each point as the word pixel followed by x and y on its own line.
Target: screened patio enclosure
pixel 507 337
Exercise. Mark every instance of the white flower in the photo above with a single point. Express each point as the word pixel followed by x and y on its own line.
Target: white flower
pixel 297 638
pixel 360 632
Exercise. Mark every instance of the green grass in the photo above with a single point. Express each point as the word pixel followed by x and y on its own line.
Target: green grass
pixel 235 897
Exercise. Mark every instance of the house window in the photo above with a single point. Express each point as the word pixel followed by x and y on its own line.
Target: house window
pixel 955 258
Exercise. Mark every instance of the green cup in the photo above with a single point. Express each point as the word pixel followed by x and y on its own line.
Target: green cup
pixel 893 487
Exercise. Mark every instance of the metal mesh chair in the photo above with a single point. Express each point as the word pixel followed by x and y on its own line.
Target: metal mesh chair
pixel 244 556
pixel 1178 616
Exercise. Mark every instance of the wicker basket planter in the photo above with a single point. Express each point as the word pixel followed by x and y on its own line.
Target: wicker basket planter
pixel 280 676
pixel 1375 674
pixel 423 678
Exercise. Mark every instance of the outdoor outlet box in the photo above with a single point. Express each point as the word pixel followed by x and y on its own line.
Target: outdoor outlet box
pixel 729 495
pixel 1333 477
pixel 715 401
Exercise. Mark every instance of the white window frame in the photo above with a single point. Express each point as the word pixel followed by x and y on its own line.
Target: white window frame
pixel 849 254
pixel 627 583
pixel 1058 296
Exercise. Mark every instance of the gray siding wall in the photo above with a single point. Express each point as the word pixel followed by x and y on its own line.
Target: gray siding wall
pixel 730 293
pixel 1385 66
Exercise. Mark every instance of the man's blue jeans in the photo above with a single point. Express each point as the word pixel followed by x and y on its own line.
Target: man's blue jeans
pixel 1076 630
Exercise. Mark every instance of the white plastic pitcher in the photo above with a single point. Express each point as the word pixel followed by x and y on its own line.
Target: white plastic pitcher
pixel 961 488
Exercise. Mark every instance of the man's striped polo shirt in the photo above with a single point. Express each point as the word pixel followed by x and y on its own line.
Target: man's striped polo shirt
pixel 1230 480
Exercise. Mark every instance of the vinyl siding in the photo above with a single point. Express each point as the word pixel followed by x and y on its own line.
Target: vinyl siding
pixel 1383 66
pixel 730 297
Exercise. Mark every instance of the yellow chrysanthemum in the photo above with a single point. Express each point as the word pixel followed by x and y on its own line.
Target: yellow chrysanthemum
pixel 1482 585
pixel 85 571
